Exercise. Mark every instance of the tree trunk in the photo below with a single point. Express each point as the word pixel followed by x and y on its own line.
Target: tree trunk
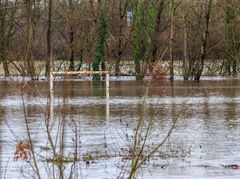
pixel 156 33
pixel 231 50
pixel 121 44
pixel 120 29
pixel 71 33
pixel 71 37
pixel 200 66
pixel 6 68
pixel 117 67
pixel 185 56
pixel 138 41
pixel 6 33
pixel 29 55
pixel 49 49
pixel 171 39
pixel 30 32
pixel 102 33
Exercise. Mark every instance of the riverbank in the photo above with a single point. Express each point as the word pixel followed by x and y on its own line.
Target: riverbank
pixel 126 68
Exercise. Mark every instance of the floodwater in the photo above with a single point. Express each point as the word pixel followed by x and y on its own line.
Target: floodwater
pixel 205 138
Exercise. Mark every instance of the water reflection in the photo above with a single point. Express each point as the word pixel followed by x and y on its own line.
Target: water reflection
pixel 230 112
pixel 207 112
pixel 3 93
pixel 2 114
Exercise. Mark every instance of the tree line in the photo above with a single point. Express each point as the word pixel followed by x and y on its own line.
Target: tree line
pixel 101 34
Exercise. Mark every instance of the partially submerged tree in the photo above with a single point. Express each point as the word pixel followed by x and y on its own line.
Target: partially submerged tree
pixel 172 18
pixel 185 50
pixel 156 32
pixel 71 34
pixel 143 39
pixel 149 33
pixel 122 43
pixel 138 39
pixel 49 37
pixel 200 64
pixel 32 14
pixel 7 22
pixel 102 34
pixel 232 45
pixel 196 34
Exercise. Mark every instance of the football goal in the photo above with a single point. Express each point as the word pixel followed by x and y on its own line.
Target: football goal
pixel 78 73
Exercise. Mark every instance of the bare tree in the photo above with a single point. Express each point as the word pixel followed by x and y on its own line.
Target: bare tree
pixel 232 47
pixel 185 48
pixel 172 14
pixel 207 15
pixel 71 36
pixel 32 10
pixel 49 32
pixel 123 4
pixel 157 30
pixel 7 22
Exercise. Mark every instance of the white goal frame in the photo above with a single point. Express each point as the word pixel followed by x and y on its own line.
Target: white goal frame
pixel 51 80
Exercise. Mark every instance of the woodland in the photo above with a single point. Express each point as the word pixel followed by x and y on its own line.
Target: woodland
pixel 36 36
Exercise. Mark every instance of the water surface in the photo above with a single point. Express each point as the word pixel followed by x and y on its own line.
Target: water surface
pixel 205 138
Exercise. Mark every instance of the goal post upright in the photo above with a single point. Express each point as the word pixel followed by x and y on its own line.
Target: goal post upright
pixel 107 97
pixel 51 96
pixel 51 91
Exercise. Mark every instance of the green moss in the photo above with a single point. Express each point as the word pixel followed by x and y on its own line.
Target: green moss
pixel 102 33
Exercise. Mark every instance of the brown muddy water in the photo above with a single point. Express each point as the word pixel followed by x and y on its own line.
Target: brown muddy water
pixel 206 136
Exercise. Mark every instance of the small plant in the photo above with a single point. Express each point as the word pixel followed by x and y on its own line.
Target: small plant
pixel 23 151
pixel 60 159
pixel 159 72
pixel 87 158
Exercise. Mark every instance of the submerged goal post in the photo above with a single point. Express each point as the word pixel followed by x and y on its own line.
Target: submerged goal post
pixel 51 80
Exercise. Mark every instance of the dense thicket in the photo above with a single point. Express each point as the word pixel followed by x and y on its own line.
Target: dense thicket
pixel 94 33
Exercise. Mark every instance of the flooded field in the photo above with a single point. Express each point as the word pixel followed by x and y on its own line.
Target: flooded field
pixel 205 137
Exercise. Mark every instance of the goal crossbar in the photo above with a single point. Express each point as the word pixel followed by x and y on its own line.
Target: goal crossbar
pixel 78 73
